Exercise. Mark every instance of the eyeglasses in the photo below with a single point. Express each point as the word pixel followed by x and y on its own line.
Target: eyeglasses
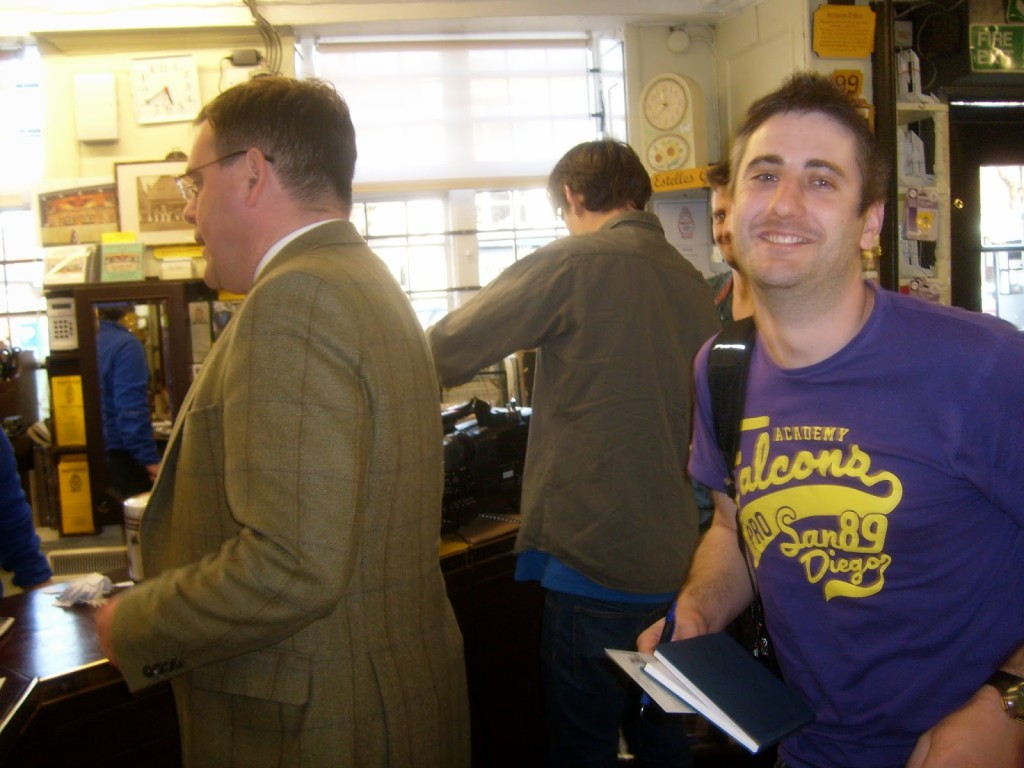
pixel 187 184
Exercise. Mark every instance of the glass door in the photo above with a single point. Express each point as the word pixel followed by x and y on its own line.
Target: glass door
pixel 1002 241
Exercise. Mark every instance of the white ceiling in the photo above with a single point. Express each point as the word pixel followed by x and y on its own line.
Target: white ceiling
pixel 155 23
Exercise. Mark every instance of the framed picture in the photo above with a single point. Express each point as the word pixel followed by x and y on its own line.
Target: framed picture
pixel 149 203
pixel 79 215
pixel 122 261
pixel 687 226
pixel 63 264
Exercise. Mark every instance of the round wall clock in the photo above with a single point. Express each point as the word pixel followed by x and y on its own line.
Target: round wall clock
pixel 664 101
pixel 672 128
pixel 165 89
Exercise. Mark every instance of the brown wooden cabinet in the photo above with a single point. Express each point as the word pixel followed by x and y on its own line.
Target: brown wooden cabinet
pixel 171 354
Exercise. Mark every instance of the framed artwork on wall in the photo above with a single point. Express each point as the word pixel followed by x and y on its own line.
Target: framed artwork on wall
pixel 79 215
pixel 149 203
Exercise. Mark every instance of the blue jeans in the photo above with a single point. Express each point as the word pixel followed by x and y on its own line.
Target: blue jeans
pixel 587 700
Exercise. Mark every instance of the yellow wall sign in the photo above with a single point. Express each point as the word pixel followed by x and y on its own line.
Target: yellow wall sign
pixel 849 81
pixel 684 178
pixel 68 410
pixel 844 31
pixel 75 495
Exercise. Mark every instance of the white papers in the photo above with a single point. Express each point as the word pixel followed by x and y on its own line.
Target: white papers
pixel 707 707
pixel 634 664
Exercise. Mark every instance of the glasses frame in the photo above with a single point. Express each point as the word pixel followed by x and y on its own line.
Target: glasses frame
pixel 187 185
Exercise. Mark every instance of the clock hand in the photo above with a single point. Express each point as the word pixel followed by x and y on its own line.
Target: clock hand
pixel 161 92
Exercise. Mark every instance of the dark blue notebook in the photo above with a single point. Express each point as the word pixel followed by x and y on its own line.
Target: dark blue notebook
pixel 721 680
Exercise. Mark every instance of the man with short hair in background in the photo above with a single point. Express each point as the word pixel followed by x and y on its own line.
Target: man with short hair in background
pixel 732 298
pixel 609 520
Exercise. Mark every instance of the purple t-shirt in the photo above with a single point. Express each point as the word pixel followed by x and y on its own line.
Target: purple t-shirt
pixel 881 493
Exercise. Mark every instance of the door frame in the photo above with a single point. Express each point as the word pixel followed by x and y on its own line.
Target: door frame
pixel 978 136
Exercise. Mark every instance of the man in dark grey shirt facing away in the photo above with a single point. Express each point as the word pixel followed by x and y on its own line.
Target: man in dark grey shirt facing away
pixel 609 522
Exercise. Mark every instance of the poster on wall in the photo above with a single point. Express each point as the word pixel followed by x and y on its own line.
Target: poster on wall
pixel 79 215
pixel 688 228
pixel 843 31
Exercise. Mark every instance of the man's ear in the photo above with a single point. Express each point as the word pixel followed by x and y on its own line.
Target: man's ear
pixel 258 172
pixel 873 219
pixel 575 201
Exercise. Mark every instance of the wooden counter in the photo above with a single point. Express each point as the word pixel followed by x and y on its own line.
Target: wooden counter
pixel 500 620
pixel 62 704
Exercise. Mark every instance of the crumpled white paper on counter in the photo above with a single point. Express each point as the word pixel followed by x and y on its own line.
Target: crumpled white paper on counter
pixel 87 590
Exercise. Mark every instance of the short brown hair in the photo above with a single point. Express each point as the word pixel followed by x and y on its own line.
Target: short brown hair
pixel 718 175
pixel 805 93
pixel 304 125
pixel 607 174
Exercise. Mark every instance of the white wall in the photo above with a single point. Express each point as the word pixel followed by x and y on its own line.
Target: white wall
pixel 647 55
pixel 734 61
pixel 67 158
pixel 23 17
pixel 760 47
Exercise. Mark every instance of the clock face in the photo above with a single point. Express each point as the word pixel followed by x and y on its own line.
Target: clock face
pixel 666 153
pixel 165 89
pixel 664 103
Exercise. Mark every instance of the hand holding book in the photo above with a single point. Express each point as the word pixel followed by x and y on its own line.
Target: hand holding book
pixel 722 681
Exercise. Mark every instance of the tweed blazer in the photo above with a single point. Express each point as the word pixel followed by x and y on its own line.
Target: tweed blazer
pixel 293 593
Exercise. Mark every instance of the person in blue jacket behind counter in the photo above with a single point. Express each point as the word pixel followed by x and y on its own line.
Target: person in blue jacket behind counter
pixel 132 457
pixel 19 543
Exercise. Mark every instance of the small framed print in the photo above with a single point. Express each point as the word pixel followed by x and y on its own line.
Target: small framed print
pixel 122 261
pixel 150 204
pixel 79 215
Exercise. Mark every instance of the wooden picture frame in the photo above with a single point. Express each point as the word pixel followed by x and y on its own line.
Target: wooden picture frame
pixel 149 203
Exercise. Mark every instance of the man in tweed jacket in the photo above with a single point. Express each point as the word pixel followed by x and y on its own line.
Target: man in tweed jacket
pixel 293 593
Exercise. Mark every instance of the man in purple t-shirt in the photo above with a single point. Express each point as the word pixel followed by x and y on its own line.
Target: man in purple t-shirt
pixel 879 473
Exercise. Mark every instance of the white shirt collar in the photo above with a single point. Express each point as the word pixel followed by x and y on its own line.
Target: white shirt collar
pixel 277 247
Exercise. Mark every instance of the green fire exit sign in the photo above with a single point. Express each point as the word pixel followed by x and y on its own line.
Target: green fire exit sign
pixel 997 47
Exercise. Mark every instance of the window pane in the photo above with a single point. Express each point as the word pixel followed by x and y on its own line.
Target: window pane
pixel 454 112
pixel 430 307
pixel 30 332
pixel 19 236
pixel 513 224
pixel 495 255
pixel 24 287
pixel 384 219
pixel 426 261
pixel 494 210
pixel 426 216
pixel 21 105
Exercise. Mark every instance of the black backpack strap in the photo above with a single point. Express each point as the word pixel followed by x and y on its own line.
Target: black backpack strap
pixel 728 365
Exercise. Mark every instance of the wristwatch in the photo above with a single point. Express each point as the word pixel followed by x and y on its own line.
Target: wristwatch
pixel 1011 688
